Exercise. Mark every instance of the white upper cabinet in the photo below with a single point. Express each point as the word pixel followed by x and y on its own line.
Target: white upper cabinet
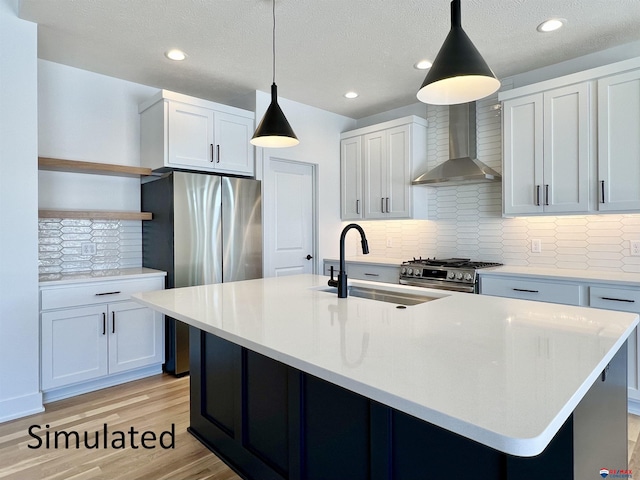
pixel 547 152
pixel 190 139
pixel 522 150
pixel 571 145
pixel 377 166
pixel 619 142
pixel 351 178
pixel 183 132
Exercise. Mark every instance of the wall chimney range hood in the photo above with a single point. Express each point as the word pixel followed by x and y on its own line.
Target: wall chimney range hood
pixel 463 167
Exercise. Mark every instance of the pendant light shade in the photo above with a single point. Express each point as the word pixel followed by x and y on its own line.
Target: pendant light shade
pixel 459 74
pixel 274 130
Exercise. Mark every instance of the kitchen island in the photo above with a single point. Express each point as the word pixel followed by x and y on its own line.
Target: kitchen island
pixel 288 381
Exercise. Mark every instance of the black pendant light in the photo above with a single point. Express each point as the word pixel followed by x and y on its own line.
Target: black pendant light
pixel 274 130
pixel 459 74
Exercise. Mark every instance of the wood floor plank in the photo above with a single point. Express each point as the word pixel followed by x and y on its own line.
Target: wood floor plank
pixel 153 404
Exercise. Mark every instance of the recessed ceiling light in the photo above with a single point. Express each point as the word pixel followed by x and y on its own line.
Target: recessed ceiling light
pixel 423 65
pixel 551 25
pixel 175 54
pixel 351 94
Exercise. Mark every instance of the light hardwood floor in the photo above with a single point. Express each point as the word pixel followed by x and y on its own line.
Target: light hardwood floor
pixel 151 404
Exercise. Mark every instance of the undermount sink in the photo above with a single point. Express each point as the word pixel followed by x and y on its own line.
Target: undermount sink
pixel 401 298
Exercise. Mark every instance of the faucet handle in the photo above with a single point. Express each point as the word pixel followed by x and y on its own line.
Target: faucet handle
pixel 332 282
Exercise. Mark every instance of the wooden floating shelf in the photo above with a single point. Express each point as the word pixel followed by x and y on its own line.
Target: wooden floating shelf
pixel 76 166
pixel 95 214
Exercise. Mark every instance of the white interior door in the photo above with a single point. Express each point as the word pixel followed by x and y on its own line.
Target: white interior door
pixel 289 218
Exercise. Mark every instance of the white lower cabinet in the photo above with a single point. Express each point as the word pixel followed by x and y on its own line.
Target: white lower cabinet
pixel 626 300
pixel 87 345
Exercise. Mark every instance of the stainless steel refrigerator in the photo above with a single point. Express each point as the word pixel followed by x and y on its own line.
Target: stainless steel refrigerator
pixel 205 229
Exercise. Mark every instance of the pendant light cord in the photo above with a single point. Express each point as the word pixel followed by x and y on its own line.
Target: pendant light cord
pixel 274 41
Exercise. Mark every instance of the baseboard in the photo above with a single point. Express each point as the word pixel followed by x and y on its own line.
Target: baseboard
pixel 100 383
pixel 18 407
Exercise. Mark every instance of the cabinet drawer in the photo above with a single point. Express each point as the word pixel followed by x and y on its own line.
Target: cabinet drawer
pixel 366 271
pixel 375 273
pixel 614 299
pixel 94 293
pixel 553 292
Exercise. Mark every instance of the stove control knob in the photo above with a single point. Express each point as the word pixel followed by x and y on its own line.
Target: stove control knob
pixel 403 270
pixel 410 271
pixel 467 277
pixel 451 275
pixel 417 273
pixel 459 276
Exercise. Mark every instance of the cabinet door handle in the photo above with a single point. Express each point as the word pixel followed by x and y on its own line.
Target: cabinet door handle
pixel 388 205
pixel 611 299
pixel 537 195
pixel 104 323
pixel 211 153
pixel 358 207
pixel 372 274
pixel 601 191
pixel 525 290
pixel 113 322
pixel 108 293
pixel 546 194
pixel 382 205
pixel 217 153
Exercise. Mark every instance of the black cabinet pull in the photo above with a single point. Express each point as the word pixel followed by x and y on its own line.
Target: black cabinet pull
pixel 104 323
pixel 525 290
pixel 211 153
pixel 602 191
pixel 358 207
pixel 537 195
pixel 108 293
pixel 217 153
pixel 382 205
pixel 113 322
pixel 546 194
pixel 626 300
pixel 388 205
pixel 308 257
pixel 372 274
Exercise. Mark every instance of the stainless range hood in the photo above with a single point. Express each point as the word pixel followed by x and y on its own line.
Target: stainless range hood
pixel 463 167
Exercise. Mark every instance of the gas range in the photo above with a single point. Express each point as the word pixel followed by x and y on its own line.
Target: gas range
pixel 457 274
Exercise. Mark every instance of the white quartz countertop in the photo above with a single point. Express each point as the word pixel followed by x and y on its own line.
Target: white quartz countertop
pixel 471 364
pixel 550 273
pixel 50 279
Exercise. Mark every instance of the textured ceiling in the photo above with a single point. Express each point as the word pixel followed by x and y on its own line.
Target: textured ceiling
pixel 324 47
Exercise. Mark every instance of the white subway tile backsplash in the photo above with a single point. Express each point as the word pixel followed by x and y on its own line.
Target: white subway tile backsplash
pixel 118 245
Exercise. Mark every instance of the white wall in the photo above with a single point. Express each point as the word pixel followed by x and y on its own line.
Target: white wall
pixel 19 324
pixel 319 135
pixel 418 109
pixel 86 116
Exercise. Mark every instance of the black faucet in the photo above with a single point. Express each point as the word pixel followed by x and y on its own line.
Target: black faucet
pixel 341 282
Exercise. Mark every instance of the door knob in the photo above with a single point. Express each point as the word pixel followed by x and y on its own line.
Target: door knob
pixel 309 257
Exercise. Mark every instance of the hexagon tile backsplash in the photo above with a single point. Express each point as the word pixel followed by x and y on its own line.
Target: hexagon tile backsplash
pixel 71 245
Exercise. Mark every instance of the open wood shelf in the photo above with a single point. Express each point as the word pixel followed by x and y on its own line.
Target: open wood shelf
pixel 76 166
pixel 95 214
